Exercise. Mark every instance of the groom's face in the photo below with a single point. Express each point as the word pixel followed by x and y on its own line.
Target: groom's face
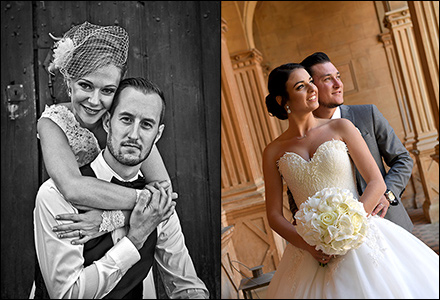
pixel 134 127
pixel 330 87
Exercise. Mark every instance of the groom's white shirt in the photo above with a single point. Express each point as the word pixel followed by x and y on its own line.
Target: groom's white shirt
pixel 337 113
pixel 61 263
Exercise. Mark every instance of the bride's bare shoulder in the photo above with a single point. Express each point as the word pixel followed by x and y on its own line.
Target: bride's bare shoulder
pixel 340 124
pixel 335 124
pixel 274 149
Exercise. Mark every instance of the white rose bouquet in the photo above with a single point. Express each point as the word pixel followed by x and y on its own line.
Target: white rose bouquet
pixel 333 221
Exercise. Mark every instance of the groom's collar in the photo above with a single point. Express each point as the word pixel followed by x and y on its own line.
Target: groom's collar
pixel 337 113
pixel 104 171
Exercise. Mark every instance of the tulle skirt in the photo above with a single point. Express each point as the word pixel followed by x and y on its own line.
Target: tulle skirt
pixel 390 264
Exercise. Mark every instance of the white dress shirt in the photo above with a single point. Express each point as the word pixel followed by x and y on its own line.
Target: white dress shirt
pixel 337 113
pixel 62 264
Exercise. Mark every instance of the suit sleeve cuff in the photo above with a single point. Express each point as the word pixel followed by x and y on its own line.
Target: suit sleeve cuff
pixel 125 254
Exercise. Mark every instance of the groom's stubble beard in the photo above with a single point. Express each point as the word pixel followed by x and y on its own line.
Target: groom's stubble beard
pixel 121 158
pixel 331 105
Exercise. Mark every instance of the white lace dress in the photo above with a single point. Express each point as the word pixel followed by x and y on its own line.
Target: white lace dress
pixel 82 141
pixel 391 263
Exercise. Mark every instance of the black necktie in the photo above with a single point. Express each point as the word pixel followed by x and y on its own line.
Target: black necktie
pixel 139 183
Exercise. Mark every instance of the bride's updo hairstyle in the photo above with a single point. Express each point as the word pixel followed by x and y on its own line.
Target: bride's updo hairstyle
pixel 277 87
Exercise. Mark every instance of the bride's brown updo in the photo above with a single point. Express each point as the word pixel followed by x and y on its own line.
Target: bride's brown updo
pixel 277 87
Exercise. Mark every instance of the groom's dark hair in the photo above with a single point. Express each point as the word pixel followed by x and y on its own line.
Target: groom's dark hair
pixel 314 59
pixel 143 85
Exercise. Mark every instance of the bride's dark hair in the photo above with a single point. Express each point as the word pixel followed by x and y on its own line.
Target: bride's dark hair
pixel 277 87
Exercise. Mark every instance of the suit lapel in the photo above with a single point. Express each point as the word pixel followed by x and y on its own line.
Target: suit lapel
pixel 348 114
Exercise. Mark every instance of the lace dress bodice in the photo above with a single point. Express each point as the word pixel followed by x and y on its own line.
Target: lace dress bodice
pixel 81 140
pixel 330 166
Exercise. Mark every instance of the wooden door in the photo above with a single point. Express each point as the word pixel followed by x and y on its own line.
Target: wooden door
pixel 19 150
pixel 176 45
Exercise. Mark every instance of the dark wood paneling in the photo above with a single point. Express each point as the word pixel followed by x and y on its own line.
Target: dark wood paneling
pixel 55 17
pixel 177 45
pixel 177 53
pixel 210 60
pixel 19 153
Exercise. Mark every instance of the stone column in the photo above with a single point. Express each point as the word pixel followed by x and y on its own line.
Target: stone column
pixel 424 15
pixel 417 97
pixel 405 114
pixel 242 181
pixel 253 90
pixel 246 129
pixel 396 76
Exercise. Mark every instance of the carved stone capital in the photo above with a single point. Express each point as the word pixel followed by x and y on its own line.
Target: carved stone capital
pixel 386 39
pixel 246 58
pixel 397 18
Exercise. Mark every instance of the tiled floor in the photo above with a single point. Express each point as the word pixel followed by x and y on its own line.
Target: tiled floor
pixel 427 232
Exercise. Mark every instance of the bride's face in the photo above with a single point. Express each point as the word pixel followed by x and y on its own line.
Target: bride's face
pixel 92 94
pixel 303 94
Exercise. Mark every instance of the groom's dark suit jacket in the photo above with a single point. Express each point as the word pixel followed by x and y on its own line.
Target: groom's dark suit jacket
pixel 383 143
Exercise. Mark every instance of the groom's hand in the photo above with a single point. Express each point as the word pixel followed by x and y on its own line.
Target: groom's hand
pixel 150 212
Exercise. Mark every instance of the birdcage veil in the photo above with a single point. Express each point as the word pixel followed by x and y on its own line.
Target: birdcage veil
pixel 87 47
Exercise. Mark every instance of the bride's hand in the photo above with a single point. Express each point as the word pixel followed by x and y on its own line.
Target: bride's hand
pixel 85 226
pixel 320 256
pixel 383 206
pixel 165 184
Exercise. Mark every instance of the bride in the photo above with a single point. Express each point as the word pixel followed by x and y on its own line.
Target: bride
pixel 313 154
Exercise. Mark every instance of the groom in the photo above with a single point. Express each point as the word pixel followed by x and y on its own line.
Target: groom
pixel 383 143
pixel 115 264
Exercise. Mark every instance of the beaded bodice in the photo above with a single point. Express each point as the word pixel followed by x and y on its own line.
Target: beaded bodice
pixel 330 166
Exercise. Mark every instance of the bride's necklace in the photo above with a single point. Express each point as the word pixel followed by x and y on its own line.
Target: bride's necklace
pixel 304 135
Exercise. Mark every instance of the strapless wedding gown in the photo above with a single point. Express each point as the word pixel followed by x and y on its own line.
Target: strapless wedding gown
pixel 391 263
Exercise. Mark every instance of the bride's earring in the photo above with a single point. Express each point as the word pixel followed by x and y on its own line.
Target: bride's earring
pixel 288 109
pixel 69 92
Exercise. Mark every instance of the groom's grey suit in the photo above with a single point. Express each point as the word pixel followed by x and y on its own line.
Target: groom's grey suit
pixel 383 143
